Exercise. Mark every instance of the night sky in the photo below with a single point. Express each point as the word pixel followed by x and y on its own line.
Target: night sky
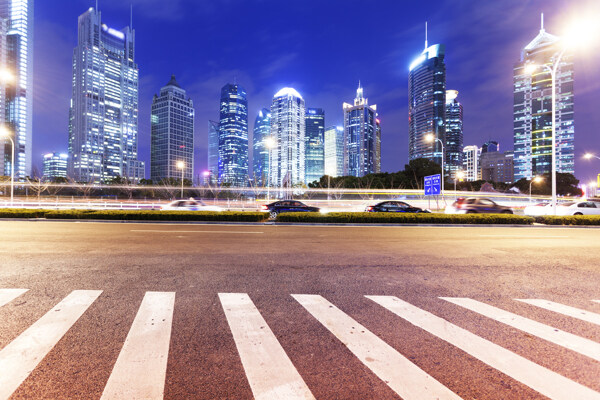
pixel 322 49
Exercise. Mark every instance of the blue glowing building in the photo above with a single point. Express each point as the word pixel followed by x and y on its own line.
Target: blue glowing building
pixel 233 136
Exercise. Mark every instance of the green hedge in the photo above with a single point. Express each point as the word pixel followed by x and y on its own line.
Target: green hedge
pixel 21 213
pixel 569 220
pixel 401 218
pixel 68 214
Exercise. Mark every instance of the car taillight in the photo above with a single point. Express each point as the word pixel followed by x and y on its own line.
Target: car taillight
pixel 264 208
pixel 370 208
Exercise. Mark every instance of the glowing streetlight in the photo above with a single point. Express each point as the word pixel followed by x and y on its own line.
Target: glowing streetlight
pixel 589 156
pixel 430 139
pixel 458 175
pixel 6 76
pixel 537 179
pixel 5 133
pixel 181 166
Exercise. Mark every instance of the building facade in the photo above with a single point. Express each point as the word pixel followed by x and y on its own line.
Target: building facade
pixel 54 166
pixel 533 110
pixel 16 85
pixel 497 166
pixel 315 144
pixel 470 159
pixel 212 175
pixel 172 133
pixel 426 104
pixel 233 136
pixel 361 137
pixel 334 151
pixel 288 130
pixel 490 146
pixel 454 134
pixel 261 147
pixel 103 117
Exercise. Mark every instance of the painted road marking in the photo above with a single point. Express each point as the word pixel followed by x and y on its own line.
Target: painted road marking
pixel 8 295
pixel 539 378
pixel 565 310
pixel 596 301
pixel 565 339
pixel 168 231
pixel 269 370
pixel 20 357
pixel 141 367
pixel 404 377
pixel 525 236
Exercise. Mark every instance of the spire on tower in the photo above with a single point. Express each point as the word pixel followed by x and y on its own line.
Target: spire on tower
pixel 542 26
pixel 426 35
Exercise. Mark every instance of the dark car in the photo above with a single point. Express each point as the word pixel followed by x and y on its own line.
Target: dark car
pixel 473 205
pixel 287 206
pixel 395 206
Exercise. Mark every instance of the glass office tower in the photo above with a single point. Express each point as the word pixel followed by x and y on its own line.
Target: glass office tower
pixel 315 144
pixel 55 166
pixel 426 104
pixel 213 152
pixel 334 151
pixel 260 156
pixel 16 98
pixel 172 133
pixel 360 136
pixel 533 110
pixel 103 118
pixel 233 136
pixel 454 134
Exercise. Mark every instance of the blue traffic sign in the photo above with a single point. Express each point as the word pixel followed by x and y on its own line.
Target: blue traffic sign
pixel 433 185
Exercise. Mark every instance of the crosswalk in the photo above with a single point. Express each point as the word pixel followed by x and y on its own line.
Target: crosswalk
pixel 140 369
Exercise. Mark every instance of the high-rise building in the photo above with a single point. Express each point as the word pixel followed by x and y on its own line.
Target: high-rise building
pixel 260 156
pixel 103 118
pixel 288 130
pixel 426 104
pixel 377 145
pixel 334 151
pixel 490 146
pixel 55 166
pixel 16 84
pixel 470 159
pixel 454 134
pixel 213 152
pixel 497 166
pixel 360 136
pixel 533 110
pixel 233 136
pixel 172 133
pixel 315 144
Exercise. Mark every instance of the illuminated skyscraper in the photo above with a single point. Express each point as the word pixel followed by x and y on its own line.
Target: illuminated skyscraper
pixel 260 156
pixel 233 136
pixel 454 133
pixel 288 130
pixel 172 133
pixel 315 138
pixel 213 152
pixel 533 110
pixel 55 166
pixel 334 151
pixel 16 99
pixel 360 136
pixel 471 166
pixel 103 118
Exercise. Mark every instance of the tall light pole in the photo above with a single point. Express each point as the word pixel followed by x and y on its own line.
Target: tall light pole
pixel 5 133
pixel 457 175
pixel 430 139
pixel 587 156
pixel 537 179
pixel 181 166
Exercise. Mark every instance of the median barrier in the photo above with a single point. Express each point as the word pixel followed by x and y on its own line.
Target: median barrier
pixel 568 220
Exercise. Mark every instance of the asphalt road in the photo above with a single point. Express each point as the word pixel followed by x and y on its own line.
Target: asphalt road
pixel 124 310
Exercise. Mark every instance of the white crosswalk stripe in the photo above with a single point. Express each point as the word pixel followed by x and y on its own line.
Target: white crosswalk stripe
pixel 569 311
pixel 8 295
pixel 539 378
pixel 140 370
pixel 20 357
pixel 269 370
pixel 404 377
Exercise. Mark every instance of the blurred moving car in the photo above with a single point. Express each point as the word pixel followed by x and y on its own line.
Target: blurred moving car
pixel 287 206
pixel 395 206
pixel 578 208
pixel 189 205
pixel 538 209
pixel 474 205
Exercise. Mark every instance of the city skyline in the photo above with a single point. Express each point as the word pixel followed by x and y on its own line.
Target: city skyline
pixel 389 92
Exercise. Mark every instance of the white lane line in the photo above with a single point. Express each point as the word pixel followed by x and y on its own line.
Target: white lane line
pixel 168 231
pixel 269 370
pixel 596 301
pixel 400 374
pixel 539 378
pixel 141 367
pixel 565 310
pixel 20 357
pixel 8 295
pixel 567 340
pixel 525 236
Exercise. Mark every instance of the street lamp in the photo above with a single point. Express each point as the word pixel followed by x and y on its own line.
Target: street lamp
pixel 430 139
pixel 181 166
pixel 458 175
pixel 271 144
pixel 5 133
pixel 589 156
pixel 537 179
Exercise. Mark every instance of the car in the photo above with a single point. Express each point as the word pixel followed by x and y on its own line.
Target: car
pixel 395 206
pixel 538 209
pixel 474 205
pixel 287 206
pixel 189 205
pixel 579 208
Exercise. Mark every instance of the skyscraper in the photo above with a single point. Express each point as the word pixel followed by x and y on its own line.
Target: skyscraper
pixel 213 152
pixel 55 166
pixel 103 118
pixel 172 133
pixel 233 136
pixel 260 156
pixel 16 64
pixel 360 136
pixel 471 165
pixel 533 110
pixel 454 133
pixel 288 130
pixel 426 104
pixel 334 151
pixel 315 146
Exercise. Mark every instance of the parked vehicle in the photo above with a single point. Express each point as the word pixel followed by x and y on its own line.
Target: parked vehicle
pixel 395 206
pixel 189 205
pixel 287 206
pixel 474 205
pixel 579 208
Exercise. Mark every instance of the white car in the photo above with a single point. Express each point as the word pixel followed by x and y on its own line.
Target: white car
pixel 579 208
pixel 538 209
pixel 189 205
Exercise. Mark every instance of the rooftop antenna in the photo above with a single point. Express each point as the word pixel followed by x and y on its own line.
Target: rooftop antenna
pixel 131 16
pixel 96 5
pixel 542 30
pixel 426 36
